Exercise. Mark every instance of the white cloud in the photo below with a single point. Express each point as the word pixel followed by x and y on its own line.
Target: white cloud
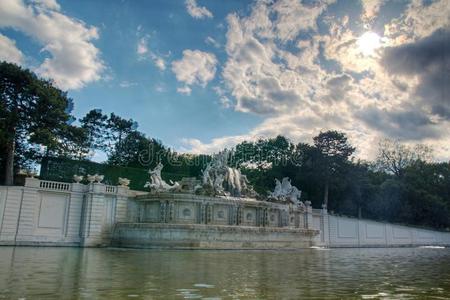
pixel 74 60
pixel 370 9
pixel 184 90
pixel 197 12
pixel 418 21
pixel 160 87
pixel 294 16
pixel 144 52
pixel 211 41
pixel 48 4
pixel 127 84
pixel 159 62
pixel 196 67
pixel 142 48
pixel 9 51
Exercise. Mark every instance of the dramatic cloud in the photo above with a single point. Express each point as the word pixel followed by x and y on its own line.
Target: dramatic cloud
pixel 306 69
pixel 9 51
pixel 404 124
pixel 428 59
pixel 196 67
pixel 197 12
pixel 420 19
pixel 73 59
pixel 339 86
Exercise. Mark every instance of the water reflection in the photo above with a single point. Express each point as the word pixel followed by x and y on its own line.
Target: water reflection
pixel 72 273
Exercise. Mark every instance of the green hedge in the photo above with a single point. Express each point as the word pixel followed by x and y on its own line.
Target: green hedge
pixel 62 169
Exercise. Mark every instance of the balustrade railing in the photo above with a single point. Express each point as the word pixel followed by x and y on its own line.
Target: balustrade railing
pixel 111 189
pixel 54 185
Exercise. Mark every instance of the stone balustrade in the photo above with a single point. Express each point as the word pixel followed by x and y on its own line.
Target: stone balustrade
pixel 46 212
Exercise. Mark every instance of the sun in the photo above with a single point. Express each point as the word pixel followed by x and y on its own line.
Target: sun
pixel 368 43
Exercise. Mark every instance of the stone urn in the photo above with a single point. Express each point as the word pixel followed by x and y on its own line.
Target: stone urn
pixel 77 178
pixel 99 178
pixel 31 173
pixel 124 181
pixel 23 172
pixel 90 178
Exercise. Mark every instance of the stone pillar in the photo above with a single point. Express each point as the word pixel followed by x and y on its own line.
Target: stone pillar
pixel 324 230
pixel 309 224
pixel 202 214
pixel 32 182
pixel 28 207
pixel 239 215
pixel 208 213
pixel 170 212
pixel 121 204
pixel 93 215
pixel 265 217
pixel 162 211
pixel 232 215
pixel 75 211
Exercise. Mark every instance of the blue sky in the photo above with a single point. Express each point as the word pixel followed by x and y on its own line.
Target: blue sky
pixel 206 74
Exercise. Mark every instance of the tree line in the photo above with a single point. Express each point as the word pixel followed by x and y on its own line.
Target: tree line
pixel 402 185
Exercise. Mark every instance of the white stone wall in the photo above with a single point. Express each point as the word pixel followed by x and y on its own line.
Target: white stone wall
pixel 339 231
pixel 56 213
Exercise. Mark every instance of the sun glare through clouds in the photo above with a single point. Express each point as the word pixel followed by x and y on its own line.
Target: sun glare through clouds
pixel 368 43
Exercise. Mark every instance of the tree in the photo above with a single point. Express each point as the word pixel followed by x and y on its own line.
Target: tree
pixel 335 152
pixel 73 143
pixel 94 124
pixel 32 111
pixel 117 129
pixel 264 153
pixel 394 157
pixel 136 150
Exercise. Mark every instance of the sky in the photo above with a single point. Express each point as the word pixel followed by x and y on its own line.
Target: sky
pixel 201 75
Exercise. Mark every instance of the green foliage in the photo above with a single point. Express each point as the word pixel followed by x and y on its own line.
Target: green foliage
pixel 94 124
pixel 420 196
pixel 63 169
pixel 32 112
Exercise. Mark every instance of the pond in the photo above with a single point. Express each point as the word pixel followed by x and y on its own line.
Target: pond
pixel 112 273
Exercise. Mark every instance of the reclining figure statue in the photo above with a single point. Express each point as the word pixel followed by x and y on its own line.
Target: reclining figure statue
pixel 158 184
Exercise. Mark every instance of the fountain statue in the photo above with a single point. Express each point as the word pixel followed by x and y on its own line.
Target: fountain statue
pixel 158 184
pixel 218 179
pixel 285 192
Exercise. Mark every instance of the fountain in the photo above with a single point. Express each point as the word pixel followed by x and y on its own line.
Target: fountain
pixel 221 212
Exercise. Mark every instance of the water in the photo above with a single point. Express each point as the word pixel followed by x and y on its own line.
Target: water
pixel 73 273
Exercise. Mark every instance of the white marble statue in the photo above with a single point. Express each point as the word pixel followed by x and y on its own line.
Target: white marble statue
pixel 158 184
pixel 218 185
pixel 220 179
pixel 284 191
